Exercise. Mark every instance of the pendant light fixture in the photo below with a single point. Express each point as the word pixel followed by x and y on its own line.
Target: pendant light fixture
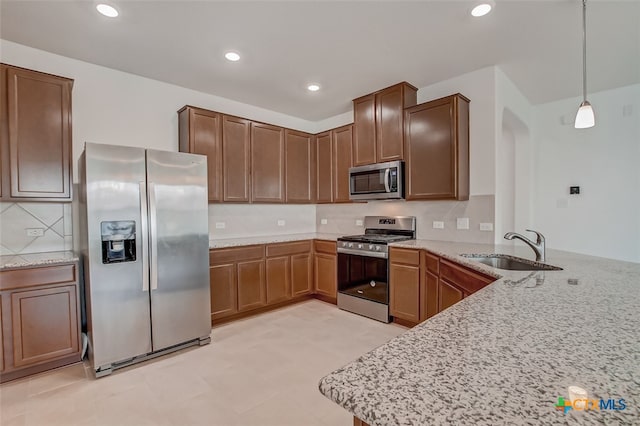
pixel 585 117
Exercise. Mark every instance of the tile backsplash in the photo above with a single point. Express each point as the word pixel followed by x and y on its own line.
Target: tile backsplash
pixel 255 220
pixel 52 219
pixel 341 218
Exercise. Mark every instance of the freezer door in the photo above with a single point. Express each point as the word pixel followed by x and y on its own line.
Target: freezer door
pixel 116 290
pixel 179 247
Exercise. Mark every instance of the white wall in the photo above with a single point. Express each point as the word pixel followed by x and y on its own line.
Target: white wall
pixel 114 107
pixel 604 161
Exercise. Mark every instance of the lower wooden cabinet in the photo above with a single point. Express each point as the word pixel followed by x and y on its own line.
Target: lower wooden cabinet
pixel 40 319
pixel 419 289
pixel 278 279
pixel 251 285
pixel 301 275
pixel 325 269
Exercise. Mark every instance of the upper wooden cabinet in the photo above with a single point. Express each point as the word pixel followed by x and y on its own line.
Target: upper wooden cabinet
pixel 200 132
pixel 267 163
pixel 324 168
pixel 236 148
pixel 35 140
pixel 342 148
pixel 300 167
pixel 379 124
pixel 437 145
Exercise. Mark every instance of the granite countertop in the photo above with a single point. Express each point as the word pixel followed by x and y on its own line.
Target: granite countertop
pixel 506 353
pixel 269 239
pixel 36 259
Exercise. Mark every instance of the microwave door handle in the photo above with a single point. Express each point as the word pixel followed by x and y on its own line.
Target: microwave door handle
pixel 387 173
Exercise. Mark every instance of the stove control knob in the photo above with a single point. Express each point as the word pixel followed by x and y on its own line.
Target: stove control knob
pixel 359 246
pixel 371 247
pixel 377 248
pixel 350 245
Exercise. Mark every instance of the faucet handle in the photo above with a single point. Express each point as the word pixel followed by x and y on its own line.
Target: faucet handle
pixel 540 237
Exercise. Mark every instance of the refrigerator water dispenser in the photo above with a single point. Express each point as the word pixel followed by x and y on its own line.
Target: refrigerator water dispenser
pixel 118 241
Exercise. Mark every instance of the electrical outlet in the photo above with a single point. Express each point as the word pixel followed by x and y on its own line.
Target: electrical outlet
pixel 462 223
pixel 323 221
pixel 35 232
pixel 281 222
pixel 221 225
pixel 486 226
pixel 438 224
pixel 358 222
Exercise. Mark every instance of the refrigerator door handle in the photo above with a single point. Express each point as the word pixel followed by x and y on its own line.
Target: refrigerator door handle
pixel 143 236
pixel 153 247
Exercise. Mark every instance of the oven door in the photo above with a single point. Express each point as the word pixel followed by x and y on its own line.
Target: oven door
pixel 363 277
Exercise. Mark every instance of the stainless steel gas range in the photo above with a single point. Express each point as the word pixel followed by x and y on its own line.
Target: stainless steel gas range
pixel 363 265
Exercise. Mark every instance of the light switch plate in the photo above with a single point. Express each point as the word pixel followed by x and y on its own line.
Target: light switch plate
pixel 486 226
pixel 221 225
pixel 35 232
pixel 462 223
pixel 323 221
pixel 358 222
pixel 438 224
pixel 281 222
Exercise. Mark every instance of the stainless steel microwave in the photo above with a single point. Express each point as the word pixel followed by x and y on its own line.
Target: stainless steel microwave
pixel 382 181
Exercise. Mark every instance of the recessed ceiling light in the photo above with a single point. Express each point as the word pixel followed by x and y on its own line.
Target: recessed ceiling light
pixel 481 10
pixel 107 10
pixel 232 56
pixel 313 87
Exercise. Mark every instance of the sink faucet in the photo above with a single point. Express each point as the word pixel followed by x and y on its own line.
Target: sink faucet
pixel 538 246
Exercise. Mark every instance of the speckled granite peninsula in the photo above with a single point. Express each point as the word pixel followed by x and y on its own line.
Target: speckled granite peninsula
pixel 505 354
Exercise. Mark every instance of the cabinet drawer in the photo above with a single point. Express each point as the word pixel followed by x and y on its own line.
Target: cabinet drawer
pixel 322 246
pixel 469 281
pixel 21 278
pixel 433 263
pixel 285 249
pixel 227 255
pixel 407 256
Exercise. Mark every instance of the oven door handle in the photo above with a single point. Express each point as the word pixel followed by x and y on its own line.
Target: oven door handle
pixel 380 255
pixel 387 173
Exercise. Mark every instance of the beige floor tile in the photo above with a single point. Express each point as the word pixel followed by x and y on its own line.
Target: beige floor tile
pixel 262 370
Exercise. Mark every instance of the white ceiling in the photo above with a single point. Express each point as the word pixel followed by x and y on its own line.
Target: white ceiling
pixel 350 47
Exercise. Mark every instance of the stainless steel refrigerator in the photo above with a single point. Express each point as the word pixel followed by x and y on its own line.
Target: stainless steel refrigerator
pixel 145 248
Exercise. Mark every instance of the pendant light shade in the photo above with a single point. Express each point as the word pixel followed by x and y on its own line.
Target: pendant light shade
pixel 585 117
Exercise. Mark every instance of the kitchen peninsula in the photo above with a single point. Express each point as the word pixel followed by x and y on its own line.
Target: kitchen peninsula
pixel 506 354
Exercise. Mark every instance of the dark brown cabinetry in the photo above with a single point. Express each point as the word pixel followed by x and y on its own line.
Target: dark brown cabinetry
pixel 324 168
pixel 267 163
pixel 35 135
pixel 40 316
pixel 379 124
pixel 404 274
pixel 422 284
pixel 300 165
pixel 437 145
pixel 236 156
pixel 252 292
pixel 342 149
pixel 201 133
pixel 325 270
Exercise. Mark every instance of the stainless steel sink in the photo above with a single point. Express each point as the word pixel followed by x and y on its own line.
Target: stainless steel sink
pixel 512 263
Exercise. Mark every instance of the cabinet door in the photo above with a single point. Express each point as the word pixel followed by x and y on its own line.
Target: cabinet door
pixel 39 133
pixel 300 167
pixel 1 337
pixel 389 124
pixel 278 284
pixel 437 145
pixel 324 168
pixel 404 283
pixel 429 296
pixel 364 133
pixel 325 274
pixel 236 146
pixel 44 324
pixel 448 295
pixel 301 280
pixel 251 285
pixel 200 132
pixel 342 142
pixel 267 163
pixel 224 292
